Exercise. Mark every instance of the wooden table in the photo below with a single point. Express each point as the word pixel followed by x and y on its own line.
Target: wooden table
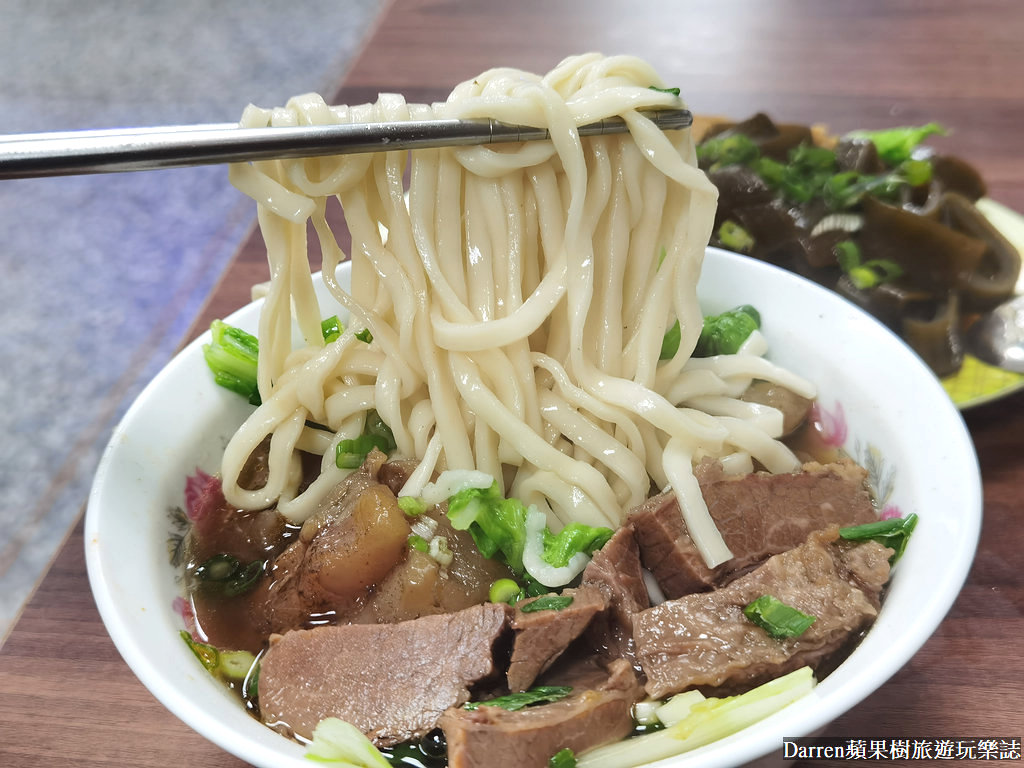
pixel 66 698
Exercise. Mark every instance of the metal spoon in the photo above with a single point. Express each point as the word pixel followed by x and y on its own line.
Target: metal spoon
pixel 997 338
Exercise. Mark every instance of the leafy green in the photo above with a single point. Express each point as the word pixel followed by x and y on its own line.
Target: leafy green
pixel 895 145
pixel 575 537
pixel 893 533
pixel 231 356
pixel 547 603
pixel 498 526
pixel 341 743
pixel 350 453
pixel 776 618
pixel 564 758
pixel 670 342
pixel 542 694
pixel 724 334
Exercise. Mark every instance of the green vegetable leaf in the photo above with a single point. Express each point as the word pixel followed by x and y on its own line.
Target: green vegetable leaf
pixel 893 533
pixel 542 694
pixel 670 342
pixel 547 603
pixel 776 618
pixel 232 356
pixel 341 743
pixel 564 758
pixel 895 145
pixel 724 334
pixel 559 548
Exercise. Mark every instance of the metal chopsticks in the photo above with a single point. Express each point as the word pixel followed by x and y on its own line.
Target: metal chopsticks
pixel 70 153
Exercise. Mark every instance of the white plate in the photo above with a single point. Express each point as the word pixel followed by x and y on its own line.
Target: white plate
pixel 875 396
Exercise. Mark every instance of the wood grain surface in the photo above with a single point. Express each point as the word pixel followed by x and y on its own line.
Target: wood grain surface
pixel 67 698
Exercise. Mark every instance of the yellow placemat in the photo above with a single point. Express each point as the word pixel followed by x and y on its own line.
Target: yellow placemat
pixel 977 382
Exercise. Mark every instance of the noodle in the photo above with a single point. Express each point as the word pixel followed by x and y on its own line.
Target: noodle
pixel 517 298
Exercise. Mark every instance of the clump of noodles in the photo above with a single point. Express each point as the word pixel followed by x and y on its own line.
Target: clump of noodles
pixel 517 298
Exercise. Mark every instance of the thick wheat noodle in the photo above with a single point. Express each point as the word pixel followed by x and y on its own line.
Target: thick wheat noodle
pixel 517 297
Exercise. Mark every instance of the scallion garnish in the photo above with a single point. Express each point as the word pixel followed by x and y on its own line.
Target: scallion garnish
pixel 893 533
pixel 542 694
pixel 331 328
pixel 776 618
pixel 564 758
pixel 547 603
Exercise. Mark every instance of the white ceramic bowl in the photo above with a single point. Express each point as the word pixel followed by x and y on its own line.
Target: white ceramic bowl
pixel 879 400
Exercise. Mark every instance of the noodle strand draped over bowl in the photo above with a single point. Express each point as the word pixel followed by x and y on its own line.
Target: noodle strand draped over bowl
pixel 517 297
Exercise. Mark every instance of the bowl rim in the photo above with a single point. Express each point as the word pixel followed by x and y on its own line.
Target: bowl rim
pixel 804 716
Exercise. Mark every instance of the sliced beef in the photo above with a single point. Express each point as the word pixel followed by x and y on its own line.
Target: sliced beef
pixel 392 681
pixel 491 737
pixel 616 571
pixel 705 641
pixel 542 636
pixel 759 515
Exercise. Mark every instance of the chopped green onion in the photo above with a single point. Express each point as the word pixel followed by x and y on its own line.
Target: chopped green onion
pixel 232 665
pixel 220 567
pixel 365 335
pixel 735 238
pixel 720 151
pixel 895 145
pixel 331 328
pixel 893 533
pixel 413 506
pixel 673 91
pixel 232 357
pixel 916 172
pixel 547 603
pixel 418 543
pixel 542 694
pixel 847 254
pixel 564 758
pixel 776 618
pixel 505 591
